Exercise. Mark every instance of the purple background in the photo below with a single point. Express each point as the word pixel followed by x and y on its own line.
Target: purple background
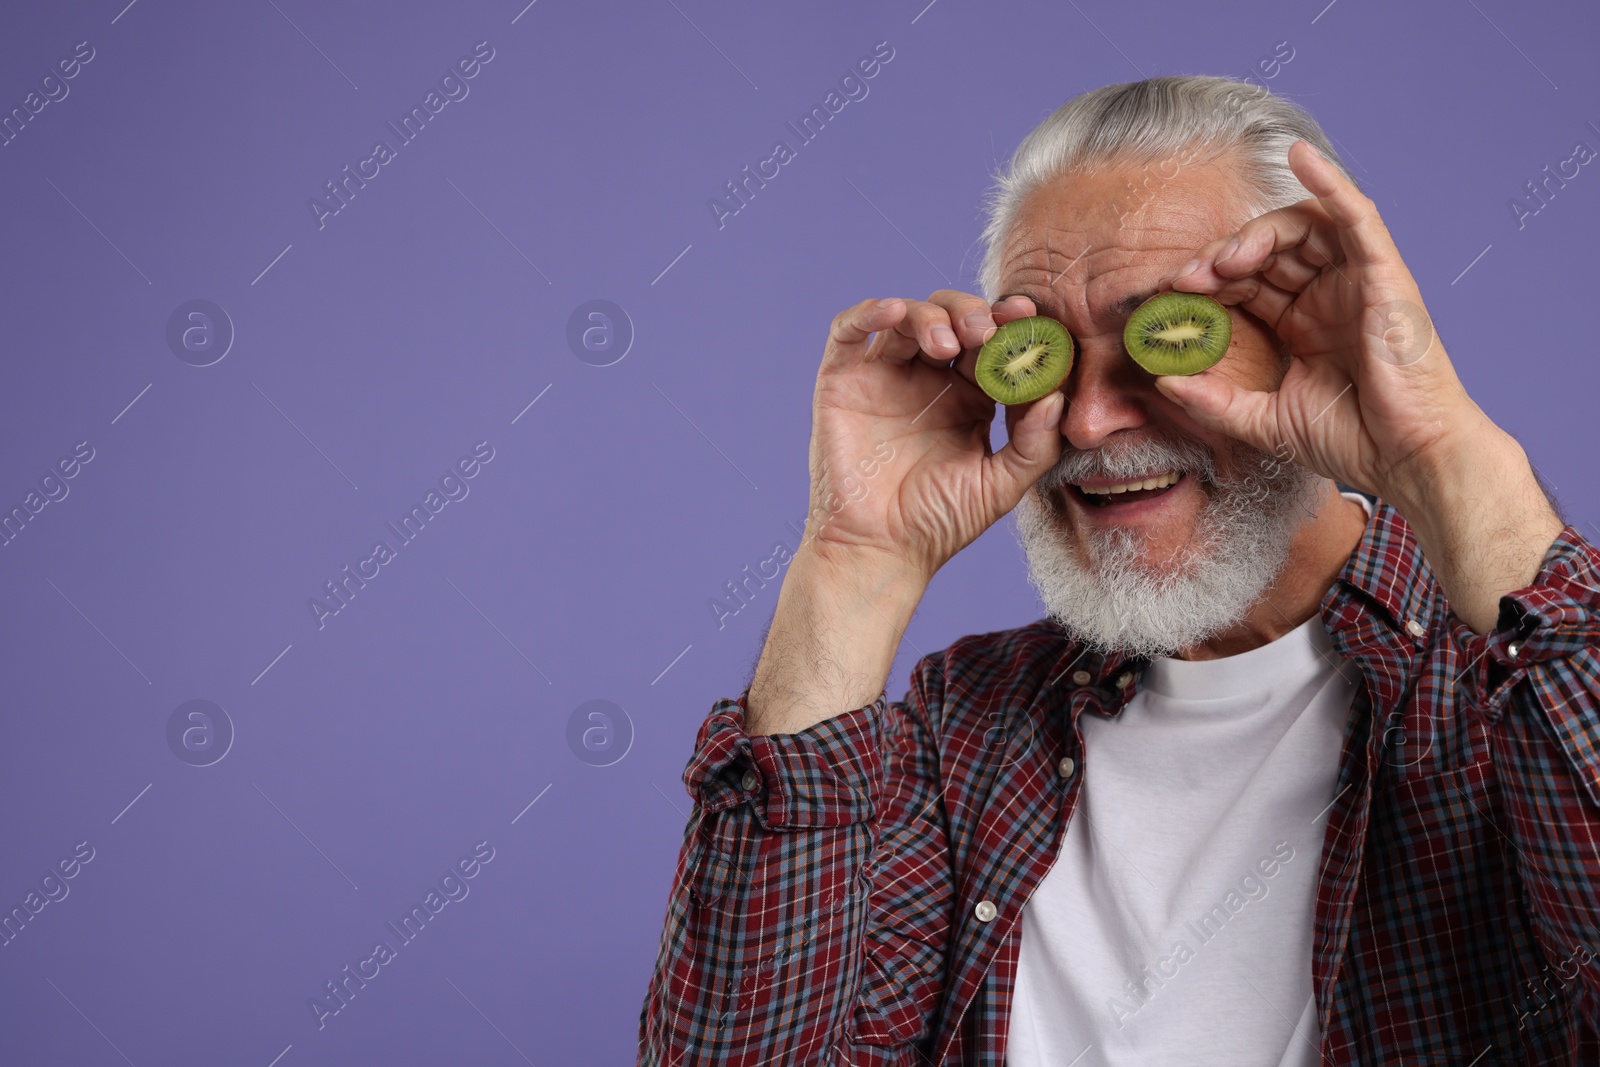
pixel 427 715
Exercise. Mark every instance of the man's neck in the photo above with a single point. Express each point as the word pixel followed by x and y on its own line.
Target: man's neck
pixel 1317 554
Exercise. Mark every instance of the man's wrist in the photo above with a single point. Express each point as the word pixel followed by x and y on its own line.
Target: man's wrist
pixel 1481 518
pixel 890 578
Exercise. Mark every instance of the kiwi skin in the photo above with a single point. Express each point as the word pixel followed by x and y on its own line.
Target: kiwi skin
pixel 1201 325
pixel 1025 359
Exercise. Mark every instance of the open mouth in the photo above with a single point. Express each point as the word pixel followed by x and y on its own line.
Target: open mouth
pixel 1107 494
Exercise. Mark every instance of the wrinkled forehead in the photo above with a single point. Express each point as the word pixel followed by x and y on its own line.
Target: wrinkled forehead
pixel 1089 246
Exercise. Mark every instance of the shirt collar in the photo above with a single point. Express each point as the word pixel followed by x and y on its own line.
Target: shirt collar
pixel 1112 677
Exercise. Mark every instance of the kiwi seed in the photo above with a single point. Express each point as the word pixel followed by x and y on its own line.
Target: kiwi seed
pixel 1178 333
pixel 1024 360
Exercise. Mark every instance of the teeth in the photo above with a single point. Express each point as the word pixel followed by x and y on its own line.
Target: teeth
pixel 1159 481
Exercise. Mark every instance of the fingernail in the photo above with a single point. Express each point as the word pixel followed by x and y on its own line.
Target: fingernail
pixel 1187 268
pixel 889 302
pixel 980 320
pixel 944 337
pixel 1228 250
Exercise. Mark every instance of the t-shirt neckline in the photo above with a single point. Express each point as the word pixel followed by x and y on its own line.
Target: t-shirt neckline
pixel 1295 653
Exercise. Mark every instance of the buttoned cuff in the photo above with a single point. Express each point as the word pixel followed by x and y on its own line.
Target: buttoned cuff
pixel 1553 617
pixel 825 775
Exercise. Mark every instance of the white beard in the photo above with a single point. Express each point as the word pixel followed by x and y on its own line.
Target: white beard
pixel 1120 600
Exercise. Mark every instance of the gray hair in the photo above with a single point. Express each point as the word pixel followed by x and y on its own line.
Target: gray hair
pixel 1175 119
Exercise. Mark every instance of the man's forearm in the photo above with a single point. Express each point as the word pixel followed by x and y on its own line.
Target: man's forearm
pixel 833 638
pixel 1483 523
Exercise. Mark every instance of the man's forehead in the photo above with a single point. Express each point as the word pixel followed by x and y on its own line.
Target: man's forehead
pixel 1106 282
pixel 1118 195
pixel 1099 240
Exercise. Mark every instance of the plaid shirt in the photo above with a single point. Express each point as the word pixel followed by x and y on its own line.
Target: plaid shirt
pixel 851 893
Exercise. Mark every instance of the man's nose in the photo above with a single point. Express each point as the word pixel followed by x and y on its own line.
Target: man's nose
pixel 1106 392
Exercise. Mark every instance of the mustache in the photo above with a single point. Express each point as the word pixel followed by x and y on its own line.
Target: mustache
pixel 1128 459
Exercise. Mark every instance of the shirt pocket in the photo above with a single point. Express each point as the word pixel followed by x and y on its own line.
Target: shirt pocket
pixel 1434 830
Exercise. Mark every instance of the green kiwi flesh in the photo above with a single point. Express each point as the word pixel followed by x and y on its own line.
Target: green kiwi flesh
pixel 1178 333
pixel 1024 360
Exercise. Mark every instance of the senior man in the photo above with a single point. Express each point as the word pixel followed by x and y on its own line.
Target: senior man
pixel 1302 767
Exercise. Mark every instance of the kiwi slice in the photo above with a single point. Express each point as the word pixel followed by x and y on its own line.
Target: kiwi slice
pixel 1024 360
pixel 1178 333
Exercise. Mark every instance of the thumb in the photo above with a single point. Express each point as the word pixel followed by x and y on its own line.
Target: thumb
pixel 1218 404
pixel 1034 448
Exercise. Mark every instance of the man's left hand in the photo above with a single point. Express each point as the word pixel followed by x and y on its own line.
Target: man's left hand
pixel 1370 397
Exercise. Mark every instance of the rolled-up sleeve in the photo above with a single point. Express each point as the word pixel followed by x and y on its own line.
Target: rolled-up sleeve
pixel 812 865
pixel 1536 676
pixel 826 775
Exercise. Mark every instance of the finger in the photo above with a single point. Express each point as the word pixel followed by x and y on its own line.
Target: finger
pixel 928 331
pixel 1015 413
pixel 997 315
pixel 1221 405
pixel 970 316
pixel 1296 242
pixel 1341 225
pixel 1362 232
pixel 929 324
pixel 1288 272
pixel 1012 307
pixel 1254 294
pixel 921 333
pixel 1034 447
pixel 851 333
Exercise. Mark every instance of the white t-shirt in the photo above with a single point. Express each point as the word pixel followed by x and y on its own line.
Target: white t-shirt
pixel 1175 924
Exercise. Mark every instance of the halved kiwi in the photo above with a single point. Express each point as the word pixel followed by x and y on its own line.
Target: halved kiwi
pixel 1024 360
pixel 1178 333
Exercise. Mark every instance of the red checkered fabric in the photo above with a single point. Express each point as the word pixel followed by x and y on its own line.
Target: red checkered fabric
pixel 825 905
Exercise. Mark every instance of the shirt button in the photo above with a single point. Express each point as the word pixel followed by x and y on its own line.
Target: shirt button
pixel 1415 628
pixel 1066 766
pixel 749 781
pixel 1513 648
pixel 985 910
pixel 1123 679
pixel 1080 677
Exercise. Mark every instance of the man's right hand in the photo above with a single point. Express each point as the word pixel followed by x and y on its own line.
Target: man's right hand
pixel 902 478
pixel 901 396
